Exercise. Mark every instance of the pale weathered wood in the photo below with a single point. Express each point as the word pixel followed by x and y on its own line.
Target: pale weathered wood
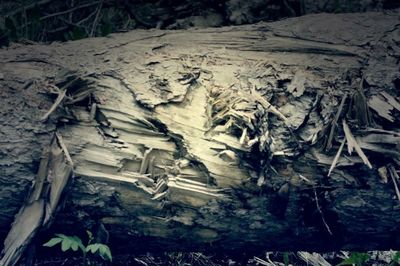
pixel 39 209
pixel 217 137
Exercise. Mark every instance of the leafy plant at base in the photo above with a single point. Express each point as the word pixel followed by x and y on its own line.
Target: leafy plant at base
pixel 74 243
pixel 356 258
pixel 396 259
pixel 286 258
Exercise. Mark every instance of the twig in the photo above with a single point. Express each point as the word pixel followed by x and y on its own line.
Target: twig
pixel 289 8
pixel 57 29
pixel 64 149
pixel 69 10
pixel 394 176
pixel 313 259
pixel 87 18
pixel 353 144
pixel 58 101
pixel 70 14
pixel 320 211
pixel 27 7
pixel 337 156
pixel 96 19
pixel 334 123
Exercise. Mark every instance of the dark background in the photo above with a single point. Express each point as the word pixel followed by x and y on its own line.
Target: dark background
pixel 61 20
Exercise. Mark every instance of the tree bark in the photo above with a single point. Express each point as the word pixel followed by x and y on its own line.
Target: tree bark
pixel 224 137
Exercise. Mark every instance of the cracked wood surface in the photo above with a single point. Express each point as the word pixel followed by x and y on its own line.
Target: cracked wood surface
pixel 216 137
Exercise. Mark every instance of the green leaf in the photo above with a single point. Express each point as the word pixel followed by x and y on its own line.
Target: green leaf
pixel 356 258
pixel 74 245
pixel 90 236
pixel 396 259
pixel 92 248
pixel 79 243
pixel 65 244
pixel 105 252
pixel 52 242
pixel 286 258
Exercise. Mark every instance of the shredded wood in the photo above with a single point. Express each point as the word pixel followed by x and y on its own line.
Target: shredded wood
pixel 395 178
pixel 352 144
pixel 337 156
pixel 56 103
pixel 334 123
pixel 313 259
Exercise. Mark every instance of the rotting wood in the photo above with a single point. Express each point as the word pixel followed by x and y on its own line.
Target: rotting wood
pixel 226 134
pixel 395 178
pixel 335 123
pixel 38 212
pixel 337 156
pixel 353 144
pixel 57 102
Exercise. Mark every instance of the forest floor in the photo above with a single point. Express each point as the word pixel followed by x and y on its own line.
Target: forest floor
pixel 371 258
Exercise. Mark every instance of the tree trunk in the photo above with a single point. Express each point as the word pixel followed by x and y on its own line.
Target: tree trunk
pixel 228 138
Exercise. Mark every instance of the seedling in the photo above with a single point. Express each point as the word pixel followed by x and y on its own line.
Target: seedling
pixel 74 243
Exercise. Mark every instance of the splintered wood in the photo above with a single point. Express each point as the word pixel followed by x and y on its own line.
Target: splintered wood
pixel 219 136
pixel 40 207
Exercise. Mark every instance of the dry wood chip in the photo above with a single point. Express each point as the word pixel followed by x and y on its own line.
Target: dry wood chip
pixel 380 138
pixel 260 180
pixel 395 177
pixel 353 144
pixel 27 222
pixel 382 107
pixel 244 136
pixel 392 101
pixel 313 259
pixel 297 85
pixel 302 177
pixel 228 156
pixel 337 156
pixel 57 102
pixel 64 149
pixel 383 173
pixel 145 161
pixel 334 123
pixel 40 177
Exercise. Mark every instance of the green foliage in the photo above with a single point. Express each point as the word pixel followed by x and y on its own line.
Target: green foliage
pixel 67 242
pixel 356 258
pixel 396 259
pixel 11 28
pixel 76 33
pixel 286 258
pixel 337 7
pixel 74 243
pixel 106 29
pixel 103 250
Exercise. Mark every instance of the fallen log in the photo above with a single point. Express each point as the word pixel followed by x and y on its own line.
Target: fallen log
pixel 279 135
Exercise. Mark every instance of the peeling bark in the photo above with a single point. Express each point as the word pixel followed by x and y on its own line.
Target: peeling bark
pixel 219 137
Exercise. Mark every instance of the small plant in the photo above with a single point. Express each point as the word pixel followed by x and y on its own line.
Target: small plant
pixel 356 258
pixel 286 258
pixel 396 259
pixel 74 243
